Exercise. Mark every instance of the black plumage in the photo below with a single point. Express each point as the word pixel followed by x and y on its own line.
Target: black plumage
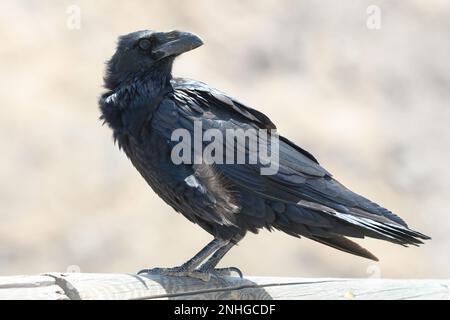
pixel 144 104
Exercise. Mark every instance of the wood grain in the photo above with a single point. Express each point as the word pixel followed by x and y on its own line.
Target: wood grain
pixel 88 286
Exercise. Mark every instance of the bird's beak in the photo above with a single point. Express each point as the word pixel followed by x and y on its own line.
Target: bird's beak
pixel 178 43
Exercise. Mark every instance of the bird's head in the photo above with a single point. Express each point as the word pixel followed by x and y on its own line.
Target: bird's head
pixel 142 51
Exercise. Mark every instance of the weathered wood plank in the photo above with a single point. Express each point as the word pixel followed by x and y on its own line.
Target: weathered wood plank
pixel 128 286
pixel 30 288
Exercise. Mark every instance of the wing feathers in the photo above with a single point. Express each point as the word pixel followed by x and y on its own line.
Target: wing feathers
pixel 346 245
pixel 326 211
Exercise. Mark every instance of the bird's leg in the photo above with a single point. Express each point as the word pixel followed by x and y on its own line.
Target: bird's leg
pixel 210 265
pixel 188 269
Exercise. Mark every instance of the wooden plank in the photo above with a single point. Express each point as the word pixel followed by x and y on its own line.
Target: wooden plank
pixel 128 286
pixel 358 289
pixel 30 288
pixel 122 286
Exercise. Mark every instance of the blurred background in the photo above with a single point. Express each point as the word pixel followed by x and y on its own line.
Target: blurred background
pixel 372 104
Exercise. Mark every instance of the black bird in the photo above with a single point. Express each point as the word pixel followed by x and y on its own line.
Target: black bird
pixel 144 104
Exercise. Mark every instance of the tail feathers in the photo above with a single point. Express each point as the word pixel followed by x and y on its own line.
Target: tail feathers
pixel 392 232
pixel 346 245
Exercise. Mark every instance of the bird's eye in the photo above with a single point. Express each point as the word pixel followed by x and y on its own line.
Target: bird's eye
pixel 145 44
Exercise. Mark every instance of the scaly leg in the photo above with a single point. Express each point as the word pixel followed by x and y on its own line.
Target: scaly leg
pixel 210 265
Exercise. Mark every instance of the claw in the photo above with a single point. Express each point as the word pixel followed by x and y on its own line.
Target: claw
pixel 230 270
pixel 143 271
pixel 223 271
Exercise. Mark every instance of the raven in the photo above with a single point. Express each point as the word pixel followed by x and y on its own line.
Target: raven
pixel 143 105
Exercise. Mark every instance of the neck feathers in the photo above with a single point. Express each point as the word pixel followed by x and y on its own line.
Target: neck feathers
pixel 135 97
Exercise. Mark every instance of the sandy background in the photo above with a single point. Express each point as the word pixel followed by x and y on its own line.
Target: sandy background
pixel 371 105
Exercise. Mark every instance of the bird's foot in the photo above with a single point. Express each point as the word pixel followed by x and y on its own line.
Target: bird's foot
pixel 201 273
pixel 222 272
pixel 177 272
